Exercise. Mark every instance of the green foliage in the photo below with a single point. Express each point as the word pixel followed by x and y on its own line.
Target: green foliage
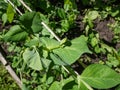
pixel 32 58
pixel 16 33
pixel 44 63
pixel 6 81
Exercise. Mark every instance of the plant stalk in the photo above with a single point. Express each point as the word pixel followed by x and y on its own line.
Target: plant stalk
pixel 50 31
pixel 28 8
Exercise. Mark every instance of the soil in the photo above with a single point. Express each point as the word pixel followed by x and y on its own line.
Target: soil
pixel 104 30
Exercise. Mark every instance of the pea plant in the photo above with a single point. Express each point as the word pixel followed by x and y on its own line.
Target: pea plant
pixel 42 60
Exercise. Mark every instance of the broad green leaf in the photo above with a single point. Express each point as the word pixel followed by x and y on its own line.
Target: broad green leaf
pixel 49 43
pixel 55 85
pixel 32 42
pixel 69 54
pixel 100 76
pixel 10 13
pixel 26 20
pixel 36 23
pixel 56 59
pixel 32 59
pixel 15 34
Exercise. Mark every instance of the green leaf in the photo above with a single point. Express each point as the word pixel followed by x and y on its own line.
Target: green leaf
pixel 26 20
pixel 61 13
pixel 15 34
pixel 32 42
pixel 69 54
pixel 10 13
pixel 32 59
pixel 94 41
pixel 36 23
pixel 46 62
pixel 55 85
pixel 65 25
pixel 56 59
pixel 50 80
pixel 49 43
pixel 92 15
pixel 100 76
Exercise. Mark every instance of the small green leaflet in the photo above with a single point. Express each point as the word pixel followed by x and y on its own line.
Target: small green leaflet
pixel 15 34
pixel 92 15
pixel 10 13
pixel 100 76
pixel 32 59
pixel 4 18
pixel 69 54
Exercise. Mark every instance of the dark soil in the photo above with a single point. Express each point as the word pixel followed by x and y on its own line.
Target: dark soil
pixel 104 30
